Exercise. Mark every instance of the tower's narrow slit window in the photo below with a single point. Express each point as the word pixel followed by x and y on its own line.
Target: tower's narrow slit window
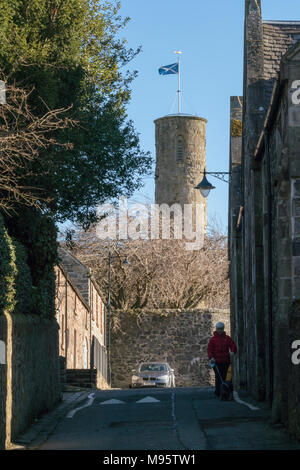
pixel 179 149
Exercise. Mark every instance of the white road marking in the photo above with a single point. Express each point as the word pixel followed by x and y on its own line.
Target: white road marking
pixel 91 398
pixel 238 400
pixel 173 406
pixel 113 401
pixel 173 412
pixel 148 400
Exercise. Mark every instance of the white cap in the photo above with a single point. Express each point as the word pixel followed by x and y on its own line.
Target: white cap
pixel 220 325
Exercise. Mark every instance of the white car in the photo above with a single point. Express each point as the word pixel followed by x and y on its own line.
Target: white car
pixel 153 374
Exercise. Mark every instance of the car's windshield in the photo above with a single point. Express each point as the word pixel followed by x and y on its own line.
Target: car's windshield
pixel 153 367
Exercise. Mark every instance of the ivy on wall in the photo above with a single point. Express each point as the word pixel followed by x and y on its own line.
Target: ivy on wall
pixel 38 233
pixel 8 270
pixel 44 295
pixel 28 253
pixel 23 281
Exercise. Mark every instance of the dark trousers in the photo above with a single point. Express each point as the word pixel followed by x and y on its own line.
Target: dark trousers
pixel 223 368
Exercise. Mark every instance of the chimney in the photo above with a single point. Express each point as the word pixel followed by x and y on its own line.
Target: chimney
pixel 254 60
pixel 254 89
pixel 253 5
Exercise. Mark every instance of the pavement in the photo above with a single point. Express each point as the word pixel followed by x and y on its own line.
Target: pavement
pixel 234 426
pixel 156 419
pixel 42 428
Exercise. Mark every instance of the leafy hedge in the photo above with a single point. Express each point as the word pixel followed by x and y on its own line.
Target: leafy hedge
pixel 44 295
pixel 23 281
pixel 27 279
pixel 8 270
pixel 38 233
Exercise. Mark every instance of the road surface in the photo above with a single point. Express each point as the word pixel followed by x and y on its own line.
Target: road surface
pixel 170 419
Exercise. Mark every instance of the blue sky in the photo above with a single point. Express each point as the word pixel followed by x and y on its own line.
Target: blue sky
pixel 210 34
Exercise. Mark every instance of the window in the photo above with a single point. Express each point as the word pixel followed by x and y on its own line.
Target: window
pixel 97 312
pixel 62 331
pixel 87 318
pixel 179 150
pixel 58 315
pixel 75 347
pixel 75 304
pixel 101 315
pixel 86 354
pixel 92 302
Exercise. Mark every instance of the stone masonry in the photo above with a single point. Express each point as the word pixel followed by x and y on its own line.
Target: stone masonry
pixel 81 315
pixel 179 337
pixel 180 161
pixel 234 228
pixel 264 242
pixel 30 382
pixel 78 323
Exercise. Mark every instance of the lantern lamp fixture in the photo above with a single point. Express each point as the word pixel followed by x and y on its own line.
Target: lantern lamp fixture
pixel 205 186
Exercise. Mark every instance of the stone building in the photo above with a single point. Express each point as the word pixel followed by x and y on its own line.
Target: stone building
pixel 180 161
pixel 80 313
pixel 264 229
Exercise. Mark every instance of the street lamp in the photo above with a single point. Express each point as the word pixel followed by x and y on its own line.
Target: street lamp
pixel 205 186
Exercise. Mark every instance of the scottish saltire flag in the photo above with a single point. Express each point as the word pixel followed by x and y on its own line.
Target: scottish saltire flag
pixel 168 69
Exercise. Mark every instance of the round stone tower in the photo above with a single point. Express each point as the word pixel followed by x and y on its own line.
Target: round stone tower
pixel 180 160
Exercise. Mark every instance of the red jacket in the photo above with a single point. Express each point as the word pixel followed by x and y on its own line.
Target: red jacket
pixel 219 347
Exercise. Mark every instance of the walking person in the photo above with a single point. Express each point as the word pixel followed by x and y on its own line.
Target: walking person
pixel 221 350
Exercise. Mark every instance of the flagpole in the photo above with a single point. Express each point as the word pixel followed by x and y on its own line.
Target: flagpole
pixel 178 83
pixel 179 91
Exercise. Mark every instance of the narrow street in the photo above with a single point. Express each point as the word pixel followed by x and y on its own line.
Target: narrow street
pixel 172 419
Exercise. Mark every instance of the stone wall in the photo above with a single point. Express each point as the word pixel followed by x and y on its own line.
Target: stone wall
pixel 86 378
pixel 30 384
pixel 179 337
pixel 278 165
pixel 235 210
pixel 293 418
pixel 267 269
pixel 3 375
pixel 253 119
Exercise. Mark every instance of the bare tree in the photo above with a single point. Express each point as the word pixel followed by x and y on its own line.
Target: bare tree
pixel 159 273
pixel 23 138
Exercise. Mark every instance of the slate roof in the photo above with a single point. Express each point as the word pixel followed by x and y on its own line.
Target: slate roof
pixel 77 271
pixel 278 37
pixel 78 274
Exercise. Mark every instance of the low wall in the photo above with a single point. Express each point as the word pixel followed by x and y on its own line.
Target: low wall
pixel 293 404
pixel 179 337
pixel 32 383
pixel 86 378
pixel 3 374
